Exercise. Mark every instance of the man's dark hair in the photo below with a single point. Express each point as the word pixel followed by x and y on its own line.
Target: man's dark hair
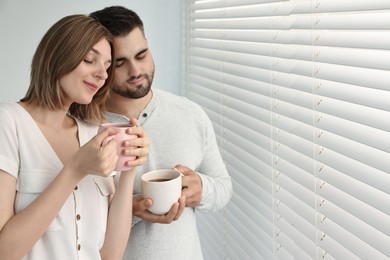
pixel 119 20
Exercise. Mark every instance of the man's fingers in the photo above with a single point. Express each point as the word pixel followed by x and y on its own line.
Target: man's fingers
pixel 182 204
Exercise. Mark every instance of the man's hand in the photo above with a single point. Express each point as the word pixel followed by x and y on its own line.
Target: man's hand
pixel 191 186
pixel 141 205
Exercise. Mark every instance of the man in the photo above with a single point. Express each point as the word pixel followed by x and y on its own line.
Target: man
pixel 181 136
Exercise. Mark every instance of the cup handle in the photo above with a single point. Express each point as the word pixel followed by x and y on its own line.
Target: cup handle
pixel 107 139
pixel 181 174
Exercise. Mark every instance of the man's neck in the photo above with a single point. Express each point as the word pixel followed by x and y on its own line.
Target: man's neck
pixel 127 106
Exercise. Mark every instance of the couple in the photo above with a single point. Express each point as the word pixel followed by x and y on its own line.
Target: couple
pixel 57 197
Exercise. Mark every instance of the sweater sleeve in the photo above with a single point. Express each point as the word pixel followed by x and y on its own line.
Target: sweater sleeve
pixel 216 183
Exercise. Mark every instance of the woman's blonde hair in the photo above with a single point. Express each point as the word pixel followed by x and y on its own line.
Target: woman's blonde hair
pixel 61 50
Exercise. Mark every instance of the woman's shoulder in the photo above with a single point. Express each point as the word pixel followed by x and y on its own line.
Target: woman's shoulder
pixel 10 109
pixel 9 105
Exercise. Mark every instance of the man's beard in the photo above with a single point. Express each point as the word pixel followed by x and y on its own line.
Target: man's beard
pixel 139 91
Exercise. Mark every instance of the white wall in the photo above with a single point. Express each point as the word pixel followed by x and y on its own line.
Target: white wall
pixel 23 23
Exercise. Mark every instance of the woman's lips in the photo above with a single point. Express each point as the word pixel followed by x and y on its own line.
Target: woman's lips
pixel 91 86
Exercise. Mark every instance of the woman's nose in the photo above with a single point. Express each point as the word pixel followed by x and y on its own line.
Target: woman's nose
pixel 102 72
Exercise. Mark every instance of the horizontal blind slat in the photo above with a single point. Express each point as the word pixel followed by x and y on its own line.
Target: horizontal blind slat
pixel 354 187
pixel 354 234
pixel 365 213
pixel 358 170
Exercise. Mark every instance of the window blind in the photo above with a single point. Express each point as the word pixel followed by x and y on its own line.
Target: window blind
pixel 299 96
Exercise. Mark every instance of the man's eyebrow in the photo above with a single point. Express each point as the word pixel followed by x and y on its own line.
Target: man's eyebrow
pixel 119 59
pixel 142 51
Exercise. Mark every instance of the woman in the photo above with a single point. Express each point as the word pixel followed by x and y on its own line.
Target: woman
pixel 57 197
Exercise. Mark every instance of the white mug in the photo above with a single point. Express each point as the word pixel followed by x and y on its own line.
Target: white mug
pixel 163 187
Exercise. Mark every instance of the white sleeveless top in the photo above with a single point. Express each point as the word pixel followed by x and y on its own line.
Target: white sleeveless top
pixel 78 230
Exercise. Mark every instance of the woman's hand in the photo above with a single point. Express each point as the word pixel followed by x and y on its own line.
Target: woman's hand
pixel 94 158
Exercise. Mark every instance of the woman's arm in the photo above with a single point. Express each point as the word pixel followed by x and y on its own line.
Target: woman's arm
pixel 120 212
pixel 119 218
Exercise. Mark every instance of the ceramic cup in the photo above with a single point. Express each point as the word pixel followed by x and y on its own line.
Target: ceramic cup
pixel 163 187
pixel 119 138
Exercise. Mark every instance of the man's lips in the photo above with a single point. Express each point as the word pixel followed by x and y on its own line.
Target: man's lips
pixel 136 82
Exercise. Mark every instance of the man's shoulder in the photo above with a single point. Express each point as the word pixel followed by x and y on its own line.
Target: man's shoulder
pixel 172 99
pixel 166 95
pixel 181 107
